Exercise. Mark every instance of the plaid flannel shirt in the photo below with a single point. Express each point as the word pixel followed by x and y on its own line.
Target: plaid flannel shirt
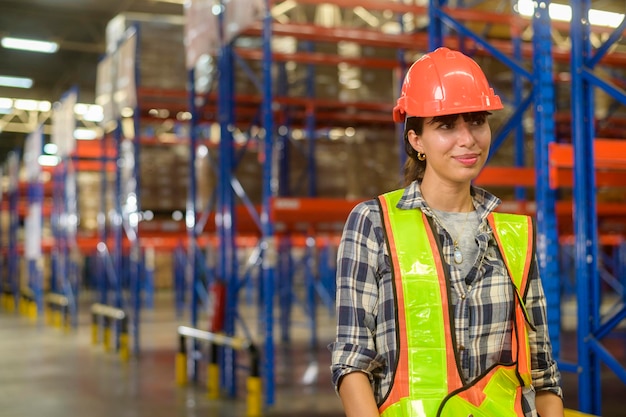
pixel 482 303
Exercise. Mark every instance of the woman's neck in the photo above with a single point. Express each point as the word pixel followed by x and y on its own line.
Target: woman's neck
pixel 447 197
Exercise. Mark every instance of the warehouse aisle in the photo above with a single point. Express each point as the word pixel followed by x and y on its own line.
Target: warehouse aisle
pixel 48 372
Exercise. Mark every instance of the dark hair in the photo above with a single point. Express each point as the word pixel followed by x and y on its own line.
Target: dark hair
pixel 414 168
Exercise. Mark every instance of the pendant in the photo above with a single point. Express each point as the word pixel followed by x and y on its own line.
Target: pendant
pixel 458 256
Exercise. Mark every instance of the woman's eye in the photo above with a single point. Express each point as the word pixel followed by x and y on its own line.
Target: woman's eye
pixel 445 126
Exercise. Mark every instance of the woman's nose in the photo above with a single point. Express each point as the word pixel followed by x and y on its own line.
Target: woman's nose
pixel 465 135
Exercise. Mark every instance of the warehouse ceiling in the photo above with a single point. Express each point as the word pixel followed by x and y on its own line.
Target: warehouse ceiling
pixel 79 27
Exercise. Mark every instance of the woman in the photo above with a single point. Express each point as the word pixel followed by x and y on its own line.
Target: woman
pixel 440 307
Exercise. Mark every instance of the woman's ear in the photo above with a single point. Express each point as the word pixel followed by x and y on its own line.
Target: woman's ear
pixel 415 141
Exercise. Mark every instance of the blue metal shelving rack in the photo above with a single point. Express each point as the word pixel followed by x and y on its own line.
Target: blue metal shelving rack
pixel 12 271
pixel 592 327
pixel 538 85
pixel 123 222
pixel 64 277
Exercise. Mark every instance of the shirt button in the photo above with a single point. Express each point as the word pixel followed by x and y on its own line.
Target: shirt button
pixel 461 347
pixel 462 296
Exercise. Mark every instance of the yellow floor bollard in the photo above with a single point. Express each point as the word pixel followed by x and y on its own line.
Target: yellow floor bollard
pixel 181 368
pixel 32 310
pixel 10 304
pixel 181 362
pixel 254 401
pixel 106 339
pixel 213 381
pixel 94 332
pixel 124 347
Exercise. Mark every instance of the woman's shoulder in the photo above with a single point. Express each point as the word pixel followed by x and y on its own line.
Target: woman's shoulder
pixel 364 214
pixel 366 208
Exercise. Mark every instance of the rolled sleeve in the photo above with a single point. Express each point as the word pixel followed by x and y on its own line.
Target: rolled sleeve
pixel 347 358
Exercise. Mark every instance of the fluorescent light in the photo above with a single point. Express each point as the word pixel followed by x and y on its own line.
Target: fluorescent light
pixel 563 13
pixel 83 133
pixel 6 105
pixel 86 112
pixel 17 82
pixel 48 160
pixel 30 45
pixel 24 104
pixel 50 148
pixel 89 112
pixel 44 106
pixel 602 18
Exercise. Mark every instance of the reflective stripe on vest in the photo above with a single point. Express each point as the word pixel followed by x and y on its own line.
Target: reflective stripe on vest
pixel 426 380
pixel 515 236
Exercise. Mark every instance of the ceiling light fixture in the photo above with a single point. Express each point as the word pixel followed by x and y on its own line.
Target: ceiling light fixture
pixel 563 13
pixel 85 134
pixel 48 160
pixel 30 45
pixel 26 104
pixel 6 103
pixel 17 82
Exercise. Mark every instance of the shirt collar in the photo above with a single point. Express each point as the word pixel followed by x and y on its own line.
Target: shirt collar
pixel 484 201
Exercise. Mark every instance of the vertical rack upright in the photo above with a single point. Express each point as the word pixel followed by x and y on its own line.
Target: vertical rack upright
pixel 591 327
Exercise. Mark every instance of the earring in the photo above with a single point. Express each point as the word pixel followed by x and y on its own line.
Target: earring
pixel 421 156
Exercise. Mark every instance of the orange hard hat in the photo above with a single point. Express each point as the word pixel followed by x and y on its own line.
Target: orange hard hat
pixel 444 82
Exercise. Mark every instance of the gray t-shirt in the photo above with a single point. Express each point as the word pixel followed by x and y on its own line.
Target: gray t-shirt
pixel 462 226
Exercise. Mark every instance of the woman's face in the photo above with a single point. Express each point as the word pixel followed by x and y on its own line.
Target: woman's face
pixel 456 147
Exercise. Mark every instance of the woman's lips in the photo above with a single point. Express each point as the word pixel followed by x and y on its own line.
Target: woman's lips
pixel 467 160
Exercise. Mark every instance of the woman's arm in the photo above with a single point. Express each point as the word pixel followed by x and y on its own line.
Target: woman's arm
pixel 358 256
pixel 356 395
pixel 548 404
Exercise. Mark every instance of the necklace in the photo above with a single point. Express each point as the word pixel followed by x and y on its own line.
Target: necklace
pixel 457 254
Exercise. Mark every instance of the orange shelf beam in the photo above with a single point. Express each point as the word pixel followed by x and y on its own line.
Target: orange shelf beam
pixel 310 211
pixel 369 5
pixel 92 149
pixel 609 154
pixel 373 37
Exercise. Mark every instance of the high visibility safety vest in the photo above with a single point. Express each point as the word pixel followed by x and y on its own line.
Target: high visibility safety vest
pixel 427 380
